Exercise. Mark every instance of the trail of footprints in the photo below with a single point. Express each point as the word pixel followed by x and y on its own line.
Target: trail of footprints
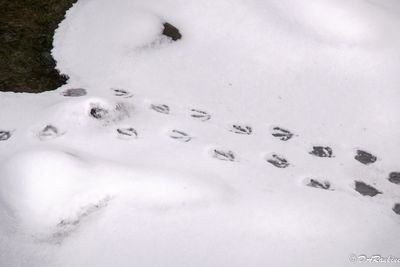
pixel 276 160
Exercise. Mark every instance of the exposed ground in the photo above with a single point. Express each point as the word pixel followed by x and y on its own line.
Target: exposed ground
pixel 26 36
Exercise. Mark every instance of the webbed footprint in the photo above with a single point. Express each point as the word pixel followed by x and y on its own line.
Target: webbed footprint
pixel 49 132
pixel 122 93
pixel 322 152
pixel 319 184
pixel 98 112
pixel 365 157
pixel 365 189
pixel 226 155
pixel 396 208
pixel 200 114
pixel 394 177
pixel 282 134
pixel 241 129
pixel 180 136
pixel 74 92
pixel 160 108
pixel 278 161
pixel 5 135
pixel 127 133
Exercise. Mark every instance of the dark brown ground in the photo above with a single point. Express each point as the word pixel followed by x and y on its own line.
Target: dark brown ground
pixel 26 36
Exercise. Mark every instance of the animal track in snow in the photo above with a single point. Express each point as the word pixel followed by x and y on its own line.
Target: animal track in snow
pixel 102 110
pixel 365 157
pixel 278 161
pixel 394 177
pixel 225 155
pixel 319 184
pixel 68 225
pixel 180 136
pixel 74 92
pixel 98 112
pixel 160 108
pixel 365 189
pixel 5 135
pixel 49 132
pixel 122 93
pixel 199 114
pixel 322 151
pixel 127 133
pixel 241 129
pixel 108 113
pixel 282 134
pixel 396 208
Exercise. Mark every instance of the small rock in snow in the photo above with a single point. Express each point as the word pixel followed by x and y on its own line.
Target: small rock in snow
pixel 171 31
pixel 365 189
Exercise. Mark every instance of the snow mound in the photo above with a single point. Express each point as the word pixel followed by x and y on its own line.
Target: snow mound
pixel 43 188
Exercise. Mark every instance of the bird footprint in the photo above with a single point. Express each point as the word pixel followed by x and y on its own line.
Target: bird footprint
pixel 278 161
pixel 281 133
pixel 241 129
pixel 180 136
pixel 394 177
pixel 199 114
pixel 322 151
pixel 319 184
pixel 365 189
pixel 160 108
pixel 365 157
pixel 122 93
pixel 49 132
pixel 5 135
pixel 226 155
pixel 74 92
pixel 127 133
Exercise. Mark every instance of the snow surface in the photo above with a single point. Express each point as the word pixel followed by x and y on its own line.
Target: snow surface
pixel 108 179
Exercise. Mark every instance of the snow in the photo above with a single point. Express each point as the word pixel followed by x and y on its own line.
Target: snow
pixel 128 174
